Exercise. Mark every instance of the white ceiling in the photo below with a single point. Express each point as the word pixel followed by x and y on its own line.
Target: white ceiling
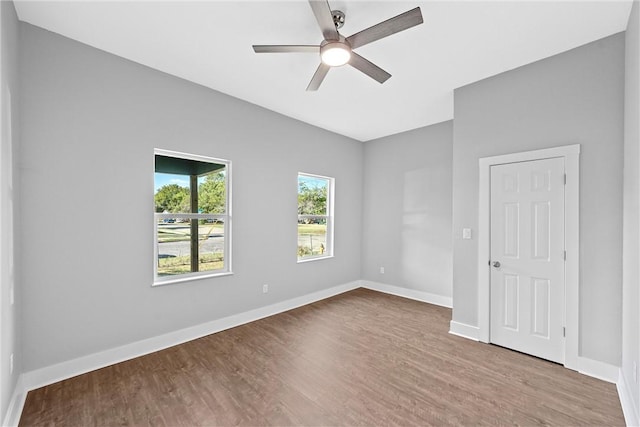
pixel 209 42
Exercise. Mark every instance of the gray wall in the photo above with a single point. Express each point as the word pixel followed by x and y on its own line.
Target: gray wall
pixel 631 224
pixel 407 210
pixel 572 98
pixel 10 325
pixel 90 123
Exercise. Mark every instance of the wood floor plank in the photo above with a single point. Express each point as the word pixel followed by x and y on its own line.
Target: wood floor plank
pixel 360 358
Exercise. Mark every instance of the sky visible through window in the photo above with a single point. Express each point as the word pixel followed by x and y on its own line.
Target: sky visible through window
pixel 162 179
pixel 312 182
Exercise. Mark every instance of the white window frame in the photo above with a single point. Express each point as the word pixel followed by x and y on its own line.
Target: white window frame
pixel 226 218
pixel 329 217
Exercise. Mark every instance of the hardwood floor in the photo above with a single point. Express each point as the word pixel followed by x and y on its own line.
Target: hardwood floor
pixel 360 358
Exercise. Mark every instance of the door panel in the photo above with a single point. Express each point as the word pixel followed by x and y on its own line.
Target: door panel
pixel 511 230
pixel 540 311
pixel 540 238
pixel 527 240
pixel 511 301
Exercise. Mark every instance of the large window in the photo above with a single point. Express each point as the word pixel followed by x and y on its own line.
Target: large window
pixel 315 217
pixel 192 217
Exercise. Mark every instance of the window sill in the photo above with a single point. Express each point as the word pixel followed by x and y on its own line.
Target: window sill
pixel 174 280
pixel 316 258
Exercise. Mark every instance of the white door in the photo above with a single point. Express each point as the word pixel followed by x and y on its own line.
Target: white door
pixel 527 257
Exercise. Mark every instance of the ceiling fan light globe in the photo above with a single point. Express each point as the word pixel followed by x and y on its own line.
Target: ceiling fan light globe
pixel 335 54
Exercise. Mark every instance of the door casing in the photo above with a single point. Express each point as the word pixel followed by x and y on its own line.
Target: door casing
pixel 571 154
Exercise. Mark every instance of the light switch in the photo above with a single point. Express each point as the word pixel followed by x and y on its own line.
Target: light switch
pixel 466 233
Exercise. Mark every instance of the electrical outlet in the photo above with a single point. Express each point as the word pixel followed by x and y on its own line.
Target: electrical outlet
pixel 381 270
pixel 265 288
pixel 11 364
pixel 11 295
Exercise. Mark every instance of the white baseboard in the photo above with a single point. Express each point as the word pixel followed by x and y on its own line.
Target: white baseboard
pixel 409 293
pixel 48 375
pixel 629 406
pixel 14 411
pixel 465 331
pixel 592 368
pixel 596 369
pixel 64 370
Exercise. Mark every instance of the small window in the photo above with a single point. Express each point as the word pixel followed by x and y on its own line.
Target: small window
pixel 192 223
pixel 315 217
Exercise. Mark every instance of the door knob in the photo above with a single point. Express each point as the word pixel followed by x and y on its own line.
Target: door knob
pixel 496 264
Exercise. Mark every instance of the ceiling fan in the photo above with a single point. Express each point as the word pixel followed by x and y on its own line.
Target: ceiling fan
pixel 336 50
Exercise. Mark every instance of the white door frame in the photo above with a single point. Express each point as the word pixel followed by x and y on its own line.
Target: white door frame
pixel 571 155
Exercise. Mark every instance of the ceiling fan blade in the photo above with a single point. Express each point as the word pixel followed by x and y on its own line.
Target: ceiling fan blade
pixel 323 14
pixel 285 48
pixel 394 25
pixel 369 68
pixel 318 77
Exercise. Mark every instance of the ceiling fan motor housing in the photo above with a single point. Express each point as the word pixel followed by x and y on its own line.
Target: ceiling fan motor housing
pixel 338 18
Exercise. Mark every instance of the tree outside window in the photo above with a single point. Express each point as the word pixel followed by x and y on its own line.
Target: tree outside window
pixel 315 217
pixel 192 222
